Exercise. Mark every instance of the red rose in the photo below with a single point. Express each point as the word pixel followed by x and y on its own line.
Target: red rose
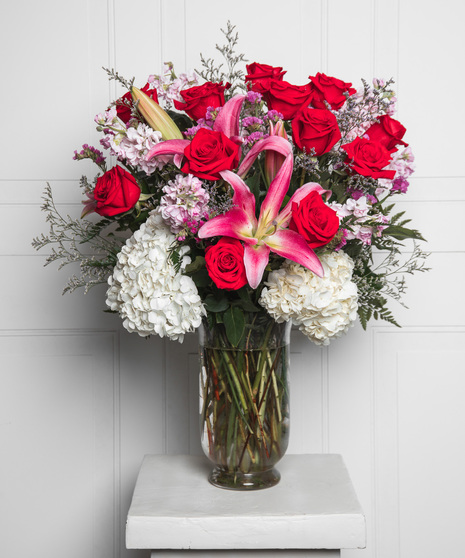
pixel 368 158
pixel 314 220
pixel 115 192
pixel 286 98
pixel 387 132
pixel 329 89
pixel 209 153
pixel 315 129
pixel 123 110
pixel 225 264
pixel 260 74
pixel 197 99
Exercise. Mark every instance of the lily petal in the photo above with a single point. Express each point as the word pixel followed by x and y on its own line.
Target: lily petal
pixel 275 143
pixel 291 245
pixel 235 223
pixel 243 197
pixel 285 215
pixel 227 120
pixel 255 261
pixel 276 192
pixel 178 159
pixel 169 147
pixel 155 116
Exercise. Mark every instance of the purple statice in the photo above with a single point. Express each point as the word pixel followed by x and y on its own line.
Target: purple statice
pixel 90 152
pixel 253 129
pixel 253 98
pixel 206 122
pixel 273 116
pixel 211 115
pixel 252 123
pixel 253 105
pixel 254 137
pixel 190 132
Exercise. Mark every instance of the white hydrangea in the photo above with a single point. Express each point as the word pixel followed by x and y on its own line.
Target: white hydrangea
pixel 323 307
pixel 147 291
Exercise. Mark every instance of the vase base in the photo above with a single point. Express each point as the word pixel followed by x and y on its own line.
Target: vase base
pixel 244 481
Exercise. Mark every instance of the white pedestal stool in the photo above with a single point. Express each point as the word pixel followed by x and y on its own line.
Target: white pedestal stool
pixel 313 511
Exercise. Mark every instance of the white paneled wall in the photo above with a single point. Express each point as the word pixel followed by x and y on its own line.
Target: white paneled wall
pixel 81 401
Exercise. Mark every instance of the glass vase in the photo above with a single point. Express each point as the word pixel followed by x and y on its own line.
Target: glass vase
pixel 244 401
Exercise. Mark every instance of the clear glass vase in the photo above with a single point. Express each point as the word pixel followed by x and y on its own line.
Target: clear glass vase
pixel 244 401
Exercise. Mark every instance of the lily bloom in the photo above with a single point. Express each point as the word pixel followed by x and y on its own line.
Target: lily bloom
pixel 273 160
pixel 227 122
pixel 268 233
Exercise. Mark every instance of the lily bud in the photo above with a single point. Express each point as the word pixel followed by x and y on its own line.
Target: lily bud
pixel 155 116
pixel 273 159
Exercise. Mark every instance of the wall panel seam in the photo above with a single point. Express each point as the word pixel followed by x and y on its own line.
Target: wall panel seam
pixel 373 447
pixel 117 444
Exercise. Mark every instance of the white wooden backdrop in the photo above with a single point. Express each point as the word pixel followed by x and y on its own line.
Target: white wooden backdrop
pixel 81 401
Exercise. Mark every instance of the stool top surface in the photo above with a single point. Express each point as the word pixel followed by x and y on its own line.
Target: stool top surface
pixel 313 506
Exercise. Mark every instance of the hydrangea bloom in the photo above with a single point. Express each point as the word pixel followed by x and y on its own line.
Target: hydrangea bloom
pixel 184 203
pixel 151 296
pixel 323 307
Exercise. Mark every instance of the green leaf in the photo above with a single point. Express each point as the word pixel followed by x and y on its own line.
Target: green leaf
pixel 201 278
pixel 195 266
pixel 234 322
pixel 401 233
pixel 245 303
pixel 396 217
pixel 213 304
pixel 253 182
pixel 353 249
pixel 181 120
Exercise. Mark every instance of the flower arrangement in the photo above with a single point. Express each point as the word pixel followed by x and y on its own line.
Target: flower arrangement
pixel 243 194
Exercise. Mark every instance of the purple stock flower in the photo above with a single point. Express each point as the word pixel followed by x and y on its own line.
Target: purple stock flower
pixel 400 185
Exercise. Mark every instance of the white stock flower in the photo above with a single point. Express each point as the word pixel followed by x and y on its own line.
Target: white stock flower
pixel 147 291
pixel 323 307
pixel 184 202
pixel 136 144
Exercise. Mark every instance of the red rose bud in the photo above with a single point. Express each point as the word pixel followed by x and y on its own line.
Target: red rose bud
pixel 273 159
pixel 388 132
pixel 155 116
pixel 286 98
pixel 115 192
pixel 315 129
pixel 368 158
pixel 314 220
pixel 329 89
pixel 259 75
pixel 209 153
pixel 225 264
pixel 197 99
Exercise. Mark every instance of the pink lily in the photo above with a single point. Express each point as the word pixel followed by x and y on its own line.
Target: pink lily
pixel 273 161
pixel 268 233
pixel 227 122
